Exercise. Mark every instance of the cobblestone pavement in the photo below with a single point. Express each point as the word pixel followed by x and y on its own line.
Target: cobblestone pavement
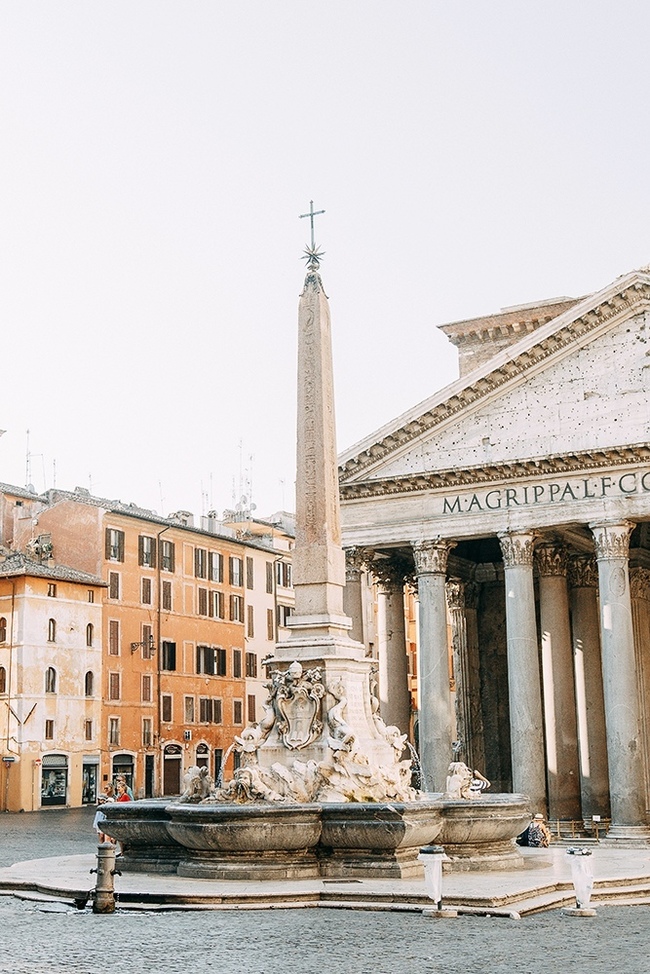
pixel 44 938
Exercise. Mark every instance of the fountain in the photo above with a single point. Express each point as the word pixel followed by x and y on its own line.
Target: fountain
pixel 323 787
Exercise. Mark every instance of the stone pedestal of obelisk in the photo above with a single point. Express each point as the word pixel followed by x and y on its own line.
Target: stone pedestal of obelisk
pixel 319 629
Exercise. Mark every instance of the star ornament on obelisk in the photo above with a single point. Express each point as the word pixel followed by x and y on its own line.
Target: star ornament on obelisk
pixel 319 622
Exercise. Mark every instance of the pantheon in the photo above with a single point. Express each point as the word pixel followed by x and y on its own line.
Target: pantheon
pixel 516 504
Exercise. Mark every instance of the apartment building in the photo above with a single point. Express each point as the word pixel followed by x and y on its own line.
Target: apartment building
pixel 50 683
pixel 184 623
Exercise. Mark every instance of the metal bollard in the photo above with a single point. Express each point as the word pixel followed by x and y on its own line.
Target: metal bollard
pixel 104 895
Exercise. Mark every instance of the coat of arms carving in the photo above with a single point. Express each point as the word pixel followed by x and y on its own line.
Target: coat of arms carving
pixel 297 699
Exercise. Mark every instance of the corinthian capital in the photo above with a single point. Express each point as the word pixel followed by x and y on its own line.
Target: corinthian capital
pixel 583 572
pixel 392 573
pixel 517 548
pixel 612 541
pixel 640 583
pixel 431 556
pixel 551 559
pixel 356 560
pixel 455 592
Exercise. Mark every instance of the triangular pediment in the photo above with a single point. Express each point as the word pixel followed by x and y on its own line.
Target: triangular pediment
pixel 578 385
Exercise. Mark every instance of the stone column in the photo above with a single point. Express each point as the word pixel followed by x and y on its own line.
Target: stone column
pixel 560 722
pixel 524 684
pixel 592 739
pixel 455 589
pixel 620 689
pixel 436 727
pixel 475 739
pixel 640 596
pixel 353 601
pixel 394 695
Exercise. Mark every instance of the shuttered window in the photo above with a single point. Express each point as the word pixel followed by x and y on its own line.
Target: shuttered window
pixel 114 545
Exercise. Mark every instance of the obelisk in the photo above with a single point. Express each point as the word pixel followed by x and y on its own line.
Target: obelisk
pixel 319 625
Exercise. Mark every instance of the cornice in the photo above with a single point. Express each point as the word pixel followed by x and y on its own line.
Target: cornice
pixel 630 294
pixel 561 463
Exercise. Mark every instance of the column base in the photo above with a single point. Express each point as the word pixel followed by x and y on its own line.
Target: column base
pixel 627 836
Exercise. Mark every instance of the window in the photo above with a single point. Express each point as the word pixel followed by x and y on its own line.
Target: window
pixel 168 661
pixel 167 596
pixel 114 550
pixel 88 726
pixel 113 638
pixel 3 680
pixel 146 688
pixel 166 707
pixel 269 578
pixel 284 613
pixel 221 662
pixel 200 563
pixel 251 664
pixel 89 683
pixel 146 591
pixel 283 574
pixel 217 605
pixel 249 573
pixel 236 608
pixel 189 710
pixel 90 632
pixel 210 710
pixel 147 642
pixel 236 664
pixel 49 730
pixel 113 730
pixel 203 602
pixel 91 595
pixel 146 732
pixel 51 590
pixel 50 680
pixel 237 712
pixel 250 708
pixel 236 567
pixel 205 660
pixel 167 556
pixel 270 624
pixel 146 551
pixel 113 686
pixel 113 585
pixel 51 630
pixel 250 622
pixel 3 630
pixel 216 566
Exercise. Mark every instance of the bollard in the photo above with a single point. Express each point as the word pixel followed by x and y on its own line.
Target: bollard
pixel 104 895
pixel 431 856
pixel 582 878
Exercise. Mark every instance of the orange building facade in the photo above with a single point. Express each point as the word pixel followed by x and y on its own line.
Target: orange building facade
pixel 180 671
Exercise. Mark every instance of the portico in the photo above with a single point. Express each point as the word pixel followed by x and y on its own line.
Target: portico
pixel 520 498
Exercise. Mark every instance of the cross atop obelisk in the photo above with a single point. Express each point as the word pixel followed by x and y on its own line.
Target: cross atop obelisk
pixel 312 213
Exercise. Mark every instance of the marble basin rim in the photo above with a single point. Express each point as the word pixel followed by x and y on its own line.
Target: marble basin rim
pixel 481 832
pixel 139 824
pixel 380 825
pixel 263 827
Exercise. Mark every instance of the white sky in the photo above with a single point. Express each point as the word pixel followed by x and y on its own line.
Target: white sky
pixel 155 156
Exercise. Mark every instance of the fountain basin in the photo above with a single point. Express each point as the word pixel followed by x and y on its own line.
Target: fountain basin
pixel 376 840
pixel 256 841
pixel 142 828
pixel 481 833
